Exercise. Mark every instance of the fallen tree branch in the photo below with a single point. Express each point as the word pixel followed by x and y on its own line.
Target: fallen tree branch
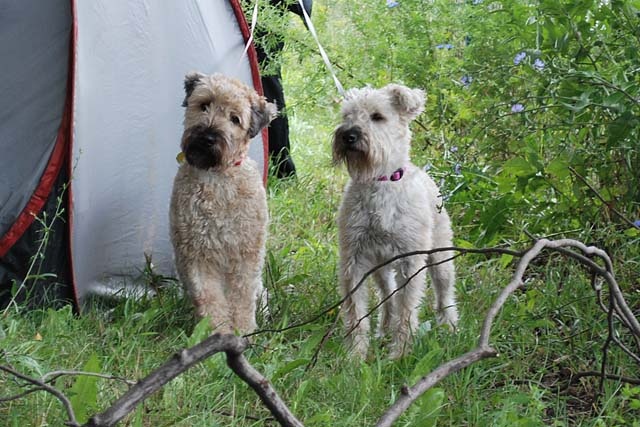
pixel 263 388
pixel 483 349
pixel 232 345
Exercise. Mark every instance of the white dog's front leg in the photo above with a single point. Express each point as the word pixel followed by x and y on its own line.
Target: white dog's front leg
pixel 354 308
pixel 385 279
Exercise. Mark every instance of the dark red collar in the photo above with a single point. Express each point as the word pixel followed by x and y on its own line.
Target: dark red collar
pixel 395 176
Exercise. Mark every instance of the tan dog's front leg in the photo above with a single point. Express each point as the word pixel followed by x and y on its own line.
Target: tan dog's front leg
pixel 209 300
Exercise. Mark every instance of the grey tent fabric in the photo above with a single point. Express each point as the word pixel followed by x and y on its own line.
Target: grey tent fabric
pixel 34 52
pixel 115 140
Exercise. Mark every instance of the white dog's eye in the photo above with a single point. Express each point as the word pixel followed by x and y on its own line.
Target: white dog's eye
pixel 204 106
pixel 377 117
pixel 235 119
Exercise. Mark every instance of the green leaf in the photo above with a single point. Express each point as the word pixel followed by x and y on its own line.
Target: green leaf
pixel 632 232
pixel 428 407
pixel 288 368
pixel 505 260
pixel 518 167
pixel 559 168
pixel 84 392
pixel 426 364
pixel 200 332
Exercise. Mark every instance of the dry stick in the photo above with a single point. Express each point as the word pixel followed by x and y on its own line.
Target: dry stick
pixel 602 199
pixel 54 375
pixel 185 359
pixel 19 395
pixel 238 363
pixel 577 376
pixel 323 341
pixel 42 386
pixel 483 350
pixel 605 347
pixel 623 311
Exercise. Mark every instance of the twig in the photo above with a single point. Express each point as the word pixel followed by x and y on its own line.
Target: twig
pixel 54 375
pixel 602 199
pixel 42 386
pixel 577 376
pixel 238 363
pixel 323 341
pixel 20 395
pixel 410 394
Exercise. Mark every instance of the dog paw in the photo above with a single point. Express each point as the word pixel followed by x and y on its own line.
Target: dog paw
pixel 358 347
pixel 448 317
pixel 399 348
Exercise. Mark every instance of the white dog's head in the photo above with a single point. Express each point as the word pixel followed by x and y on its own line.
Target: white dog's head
pixel 374 135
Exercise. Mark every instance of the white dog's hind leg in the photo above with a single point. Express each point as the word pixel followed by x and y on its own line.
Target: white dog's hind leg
pixel 443 273
pixel 409 300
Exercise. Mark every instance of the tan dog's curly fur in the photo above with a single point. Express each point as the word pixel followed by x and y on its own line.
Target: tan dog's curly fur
pixel 218 213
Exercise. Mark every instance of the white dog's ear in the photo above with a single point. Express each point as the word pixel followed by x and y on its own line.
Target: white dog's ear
pixel 408 102
pixel 262 112
pixel 190 82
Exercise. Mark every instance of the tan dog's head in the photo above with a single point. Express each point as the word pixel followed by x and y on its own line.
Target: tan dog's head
pixel 374 136
pixel 222 115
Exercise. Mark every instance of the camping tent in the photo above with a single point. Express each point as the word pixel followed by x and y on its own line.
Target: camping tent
pixel 90 126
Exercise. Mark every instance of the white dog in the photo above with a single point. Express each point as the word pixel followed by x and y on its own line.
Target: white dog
pixel 390 207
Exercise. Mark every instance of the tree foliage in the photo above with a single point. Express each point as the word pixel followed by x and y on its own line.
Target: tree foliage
pixel 525 100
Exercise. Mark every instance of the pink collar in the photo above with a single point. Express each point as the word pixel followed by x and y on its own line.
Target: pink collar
pixel 240 160
pixel 395 176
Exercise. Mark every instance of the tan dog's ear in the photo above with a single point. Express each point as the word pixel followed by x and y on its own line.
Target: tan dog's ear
pixel 190 82
pixel 262 112
pixel 408 102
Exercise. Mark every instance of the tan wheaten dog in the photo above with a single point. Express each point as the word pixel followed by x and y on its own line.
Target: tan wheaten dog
pixel 218 214
pixel 389 207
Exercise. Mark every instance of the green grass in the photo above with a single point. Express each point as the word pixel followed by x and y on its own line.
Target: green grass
pixel 547 330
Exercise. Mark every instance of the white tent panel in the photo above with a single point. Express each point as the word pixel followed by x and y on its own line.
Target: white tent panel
pixel 131 61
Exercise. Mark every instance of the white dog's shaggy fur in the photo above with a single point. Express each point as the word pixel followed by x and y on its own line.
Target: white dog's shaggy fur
pixel 389 207
pixel 218 215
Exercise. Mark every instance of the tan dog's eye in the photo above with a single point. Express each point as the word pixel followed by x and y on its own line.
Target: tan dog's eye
pixel 377 117
pixel 235 120
pixel 204 107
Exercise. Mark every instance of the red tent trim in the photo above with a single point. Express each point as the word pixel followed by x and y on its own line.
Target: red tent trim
pixel 41 193
pixel 255 73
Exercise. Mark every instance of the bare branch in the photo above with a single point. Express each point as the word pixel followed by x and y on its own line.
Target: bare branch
pixel 54 375
pixel 577 376
pixel 180 362
pixel 485 251
pixel 410 394
pixel 483 350
pixel 233 346
pixel 263 388
pixel 602 199
pixel 42 386
pixel 21 395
